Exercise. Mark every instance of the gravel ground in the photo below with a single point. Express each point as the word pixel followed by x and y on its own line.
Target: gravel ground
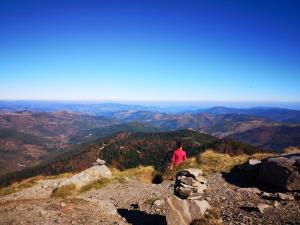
pixel 53 211
pixel 139 204
pixel 239 205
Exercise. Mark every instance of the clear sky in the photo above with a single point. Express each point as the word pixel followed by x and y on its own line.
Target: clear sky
pixel 150 50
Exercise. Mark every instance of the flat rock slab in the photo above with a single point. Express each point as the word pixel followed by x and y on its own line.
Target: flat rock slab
pixel 87 176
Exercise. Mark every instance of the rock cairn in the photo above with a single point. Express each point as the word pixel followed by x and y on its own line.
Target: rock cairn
pixel 99 162
pixel 190 184
pixel 189 200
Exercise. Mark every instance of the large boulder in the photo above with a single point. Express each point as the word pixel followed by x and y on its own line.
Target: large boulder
pixel 87 176
pixel 184 211
pixel 281 171
pixel 246 174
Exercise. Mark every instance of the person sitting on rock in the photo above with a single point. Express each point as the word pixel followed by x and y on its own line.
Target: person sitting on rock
pixel 179 155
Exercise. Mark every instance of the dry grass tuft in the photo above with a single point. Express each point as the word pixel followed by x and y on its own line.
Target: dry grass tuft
pixel 18 186
pixel 145 174
pixel 211 162
pixel 96 185
pixel 64 191
pixel 291 150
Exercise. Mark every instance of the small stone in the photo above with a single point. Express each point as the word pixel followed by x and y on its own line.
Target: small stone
pixel 253 190
pixel 265 195
pixel 253 162
pixel 62 204
pixel 276 204
pixel 190 181
pixel 262 207
pixel 158 203
pixel 194 173
pixel 44 186
pixel 282 196
pixel 42 212
pixel 99 162
pixel 208 199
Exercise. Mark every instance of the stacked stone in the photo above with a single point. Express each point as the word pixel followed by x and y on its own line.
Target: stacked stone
pixel 189 200
pixel 99 162
pixel 190 184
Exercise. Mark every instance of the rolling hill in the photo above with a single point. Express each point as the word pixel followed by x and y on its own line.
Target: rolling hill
pixel 28 138
pixel 18 149
pixel 274 138
pixel 228 124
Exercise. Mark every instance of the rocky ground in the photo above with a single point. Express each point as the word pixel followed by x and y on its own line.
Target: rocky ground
pixel 137 203
pixel 239 205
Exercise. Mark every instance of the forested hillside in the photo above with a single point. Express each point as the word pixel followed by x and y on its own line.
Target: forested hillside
pixel 128 150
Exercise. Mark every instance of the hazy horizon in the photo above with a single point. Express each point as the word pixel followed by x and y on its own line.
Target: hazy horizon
pixel 168 104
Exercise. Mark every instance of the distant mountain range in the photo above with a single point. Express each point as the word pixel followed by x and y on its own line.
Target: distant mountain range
pixel 289 116
pixel 30 137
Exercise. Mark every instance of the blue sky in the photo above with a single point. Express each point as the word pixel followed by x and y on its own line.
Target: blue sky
pixel 150 50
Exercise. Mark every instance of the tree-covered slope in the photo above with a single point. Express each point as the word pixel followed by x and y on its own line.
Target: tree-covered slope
pixel 128 150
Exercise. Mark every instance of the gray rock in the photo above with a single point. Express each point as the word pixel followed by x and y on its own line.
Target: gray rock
pixel 251 189
pixel 189 181
pixel 266 195
pixel 192 172
pixel 87 176
pixel 276 204
pixel 253 162
pixel 183 212
pixel 262 207
pixel 188 192
pixel 281 171
pixel 201 179
pixel 286 197
pixel 99 162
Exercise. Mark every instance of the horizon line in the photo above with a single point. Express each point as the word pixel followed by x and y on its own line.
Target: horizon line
pixel 154 101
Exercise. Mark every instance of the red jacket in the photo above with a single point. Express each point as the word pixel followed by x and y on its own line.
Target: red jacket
pixel 178 157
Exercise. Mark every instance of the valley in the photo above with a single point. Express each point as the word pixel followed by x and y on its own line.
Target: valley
pixel 29 138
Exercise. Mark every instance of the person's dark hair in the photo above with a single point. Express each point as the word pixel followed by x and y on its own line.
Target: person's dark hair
pixel 178 144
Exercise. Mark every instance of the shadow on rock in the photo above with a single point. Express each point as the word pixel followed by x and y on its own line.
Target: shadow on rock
pixel 245 176
pixel 136 217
